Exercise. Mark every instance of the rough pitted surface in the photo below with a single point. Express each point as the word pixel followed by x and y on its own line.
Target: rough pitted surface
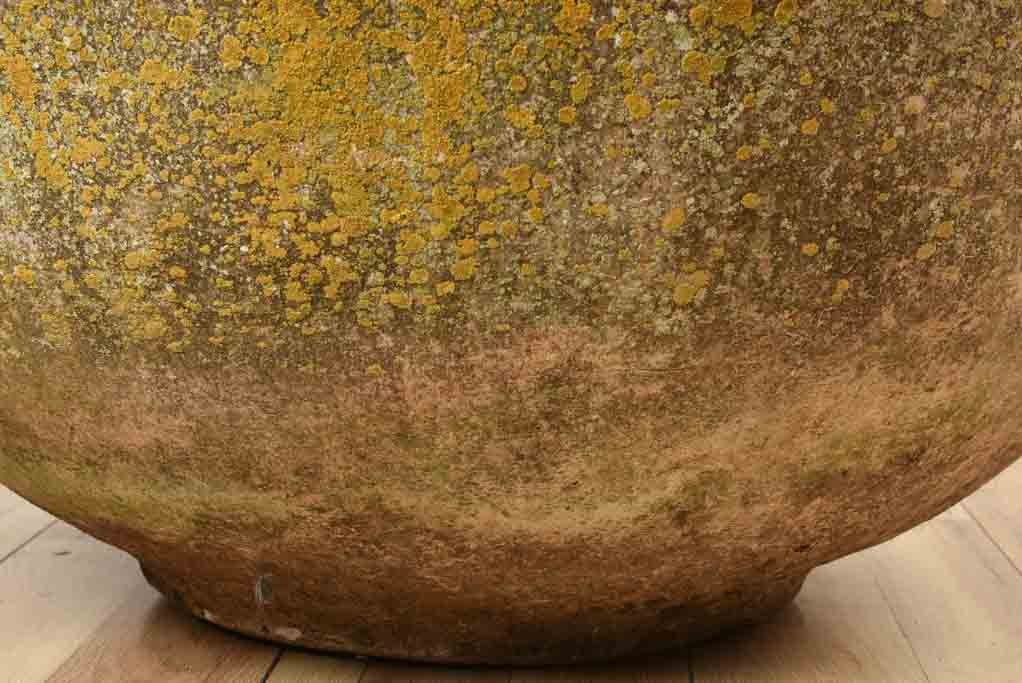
pixel 506 331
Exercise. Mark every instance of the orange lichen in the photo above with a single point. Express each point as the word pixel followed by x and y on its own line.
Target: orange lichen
pixel 674 219
pixel 231 53
pixel 20 78
pixel 944 230
pixel 519 178
pixel 751 200
pixel 184 28
pixel 24 275
pixel 786 11
pixel 731 12
pixel 465 268
pixel 926 251
pixel 639 107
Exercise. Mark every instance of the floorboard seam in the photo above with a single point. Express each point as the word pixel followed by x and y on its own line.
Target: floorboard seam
pixel 990 537
pixel 29 540
pixel 273 665
pixel 904 633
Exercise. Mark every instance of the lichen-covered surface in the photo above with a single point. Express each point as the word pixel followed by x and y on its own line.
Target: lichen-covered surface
pixel 482 330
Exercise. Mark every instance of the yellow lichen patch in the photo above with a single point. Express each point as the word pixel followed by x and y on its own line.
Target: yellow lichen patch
pixel 689 287
pixel 685 293
pixel 840 289
pixel 580 89
pixel 518 84
pixel 745 152
pixel 810 126
pixel 184 28
pixel 258 55
pixel 135 260
pixel 439 231
pixel 485 195
pixel 810 248
pixel 154 328
pixel 20 79
pixel 926 251
pixel 889 145
pixel 519 178
pixel 94 279
pixel 673 219
pixel 24 275
pixel 605 32
pixel 231 53
pixel 731 12
pixel 567 115
pixel 177 272
pixel 751 200
pixel 944 230
pixel 465 268
pixel 934 9
pixel 639 107
pixel 419 276
pixel 467 247
pixel 445 288
pixel 698 15
pixel 669 105
pixel 828 106
pixel 155 72
pixel 573 16
pixel 701 65
pixel 785 11
pixel 806 78
pixel 399 299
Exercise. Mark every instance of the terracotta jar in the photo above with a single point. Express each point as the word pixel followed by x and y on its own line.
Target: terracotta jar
pixel 506 332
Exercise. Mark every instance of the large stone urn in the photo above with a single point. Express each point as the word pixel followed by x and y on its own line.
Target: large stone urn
pixel 511 332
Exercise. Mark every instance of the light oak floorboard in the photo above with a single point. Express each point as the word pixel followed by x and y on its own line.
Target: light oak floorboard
pixel 20 522
pixel 306 667
pixel 997 507
pixel 148 640
pixel 957 598
pixel 840 628
pixel 54 592
pixel 386 671
pixel 664 668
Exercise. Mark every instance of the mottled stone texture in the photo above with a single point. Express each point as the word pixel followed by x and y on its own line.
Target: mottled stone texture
pixel 506 331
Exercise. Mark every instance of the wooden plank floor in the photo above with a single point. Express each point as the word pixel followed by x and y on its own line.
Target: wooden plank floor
pixel 939 604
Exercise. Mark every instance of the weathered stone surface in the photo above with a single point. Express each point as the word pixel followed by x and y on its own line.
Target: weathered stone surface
pixel 511 332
